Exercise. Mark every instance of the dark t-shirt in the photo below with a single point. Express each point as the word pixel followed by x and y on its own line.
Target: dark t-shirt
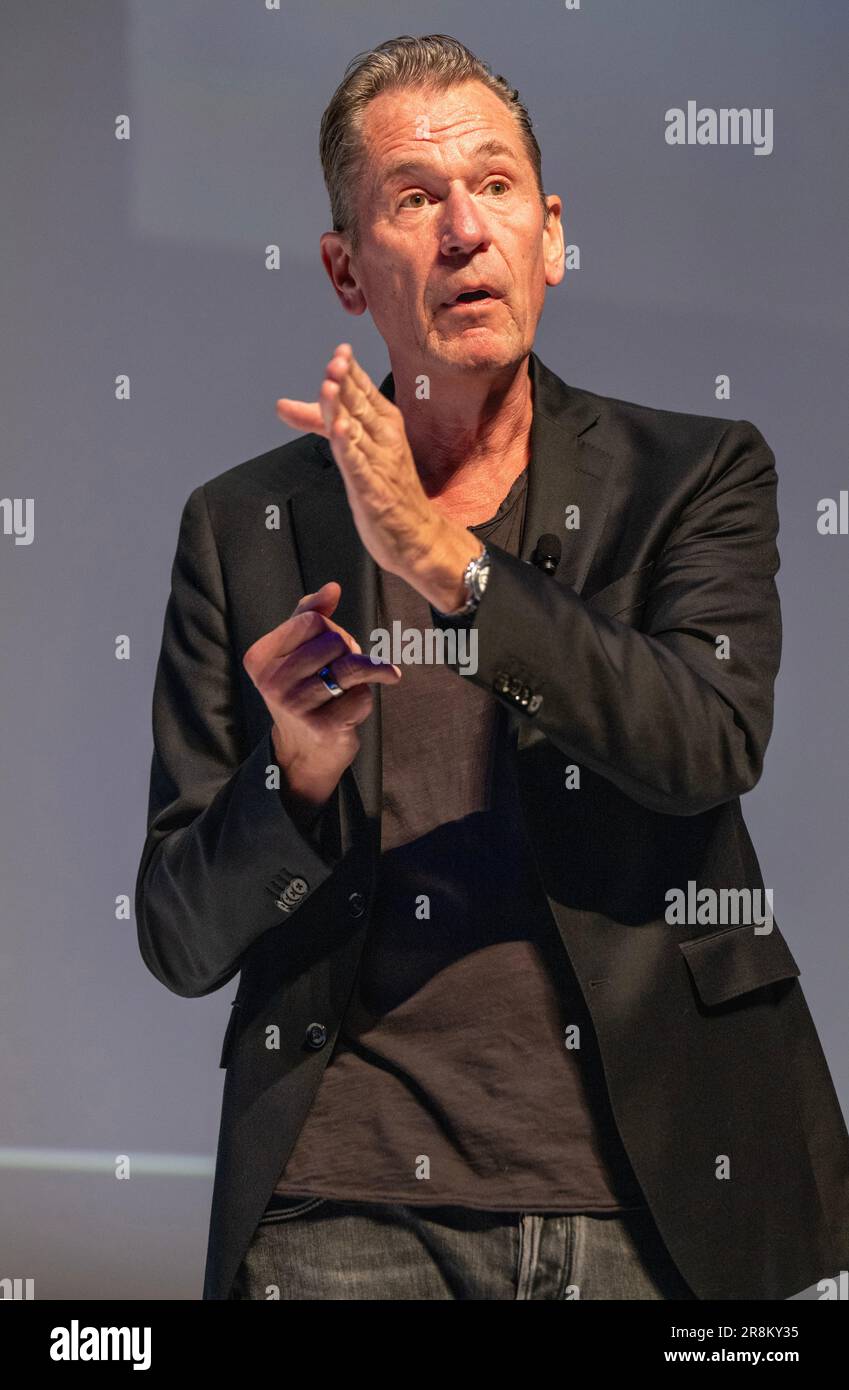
pixel 451 1082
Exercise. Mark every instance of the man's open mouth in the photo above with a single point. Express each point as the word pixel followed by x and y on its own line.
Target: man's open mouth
pixel 471 297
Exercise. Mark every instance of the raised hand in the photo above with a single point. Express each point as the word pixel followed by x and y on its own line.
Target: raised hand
pixel 396 521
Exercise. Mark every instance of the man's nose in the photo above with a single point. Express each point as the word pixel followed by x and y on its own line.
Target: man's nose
pixel 463 224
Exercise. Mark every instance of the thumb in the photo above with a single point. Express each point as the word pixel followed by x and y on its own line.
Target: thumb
pixel 325 599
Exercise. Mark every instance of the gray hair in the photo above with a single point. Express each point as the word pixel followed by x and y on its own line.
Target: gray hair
pixel 434 60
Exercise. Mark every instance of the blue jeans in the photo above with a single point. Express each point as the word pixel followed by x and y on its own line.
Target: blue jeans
pixel 320 1248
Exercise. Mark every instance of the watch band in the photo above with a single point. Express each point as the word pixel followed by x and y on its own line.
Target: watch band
pixel 475 577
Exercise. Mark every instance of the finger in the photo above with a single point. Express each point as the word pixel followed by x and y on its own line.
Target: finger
pixel 329 404
pixel 328 625
pixel 269 649
pixel 360 397
pixel 335 715
pixel 343 366
pixel 349 438
pixel 295 671
pixel 349 671
pixel 346 436
pixel 325 600
pixel 375 397
pixel 301 415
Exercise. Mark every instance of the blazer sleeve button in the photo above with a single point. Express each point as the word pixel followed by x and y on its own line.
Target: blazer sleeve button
pixel 315 1036
pixel 356 904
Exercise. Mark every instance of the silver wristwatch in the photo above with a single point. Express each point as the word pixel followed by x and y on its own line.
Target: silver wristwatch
pixel 475 576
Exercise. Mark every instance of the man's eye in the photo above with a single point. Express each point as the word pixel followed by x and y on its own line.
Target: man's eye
pixel 413 195
pixel 497 182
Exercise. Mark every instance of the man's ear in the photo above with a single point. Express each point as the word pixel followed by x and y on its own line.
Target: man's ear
pixel 336 258
pixel 553 248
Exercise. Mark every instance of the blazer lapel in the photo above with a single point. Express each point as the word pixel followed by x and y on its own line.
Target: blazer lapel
pixel 566 470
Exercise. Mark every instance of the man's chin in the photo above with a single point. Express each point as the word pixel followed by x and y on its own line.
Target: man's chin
pixel 476 350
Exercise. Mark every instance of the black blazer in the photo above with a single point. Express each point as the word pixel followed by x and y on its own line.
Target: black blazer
pixel 610 665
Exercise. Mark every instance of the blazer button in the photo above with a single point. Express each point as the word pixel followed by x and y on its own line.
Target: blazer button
pixel 316 1036
pixel 356 904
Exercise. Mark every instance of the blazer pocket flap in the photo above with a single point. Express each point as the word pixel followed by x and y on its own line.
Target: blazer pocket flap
pixel 227 1044
pixel 626 592
pixel 736 960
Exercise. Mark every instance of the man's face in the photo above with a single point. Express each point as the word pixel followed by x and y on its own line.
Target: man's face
pixel 441 215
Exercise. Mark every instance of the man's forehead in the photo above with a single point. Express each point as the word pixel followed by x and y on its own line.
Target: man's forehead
pixel 401 124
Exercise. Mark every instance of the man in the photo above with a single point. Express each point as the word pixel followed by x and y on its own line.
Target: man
pixel 512 1018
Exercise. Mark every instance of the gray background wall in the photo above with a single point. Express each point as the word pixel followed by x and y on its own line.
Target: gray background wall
pixel 146 257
